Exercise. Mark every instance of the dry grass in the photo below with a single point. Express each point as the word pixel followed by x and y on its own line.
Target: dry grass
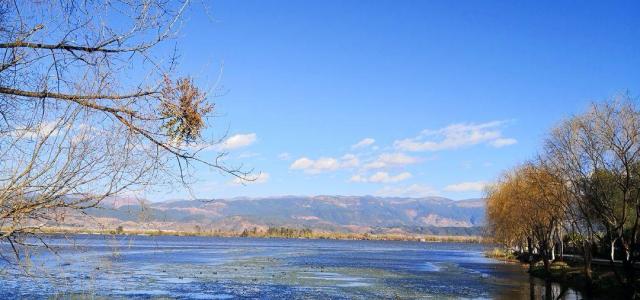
pixel 312 235
pixel 500 253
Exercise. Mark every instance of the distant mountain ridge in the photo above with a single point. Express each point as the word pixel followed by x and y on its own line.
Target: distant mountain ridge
pixel 432 215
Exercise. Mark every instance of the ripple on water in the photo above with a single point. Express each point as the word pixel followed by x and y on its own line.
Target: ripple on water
pixel 429 267
pixel 176 280
pixel 144 293
pixel 354 284
pixel 208 296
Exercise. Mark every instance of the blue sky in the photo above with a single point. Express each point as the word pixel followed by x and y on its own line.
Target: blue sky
pixel 441 95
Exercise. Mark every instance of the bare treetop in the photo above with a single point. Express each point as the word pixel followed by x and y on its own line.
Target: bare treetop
pixel 91 106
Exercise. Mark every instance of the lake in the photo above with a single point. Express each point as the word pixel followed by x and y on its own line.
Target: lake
pixel 92 266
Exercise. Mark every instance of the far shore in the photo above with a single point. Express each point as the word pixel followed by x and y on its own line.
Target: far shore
pixel 292 234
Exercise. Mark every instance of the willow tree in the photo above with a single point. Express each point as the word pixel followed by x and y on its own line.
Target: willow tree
pixel 543 195
pixel 91 106
pixel 504 218
pixel 526 203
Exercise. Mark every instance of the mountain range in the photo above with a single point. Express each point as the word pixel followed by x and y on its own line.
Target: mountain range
pixel 429 215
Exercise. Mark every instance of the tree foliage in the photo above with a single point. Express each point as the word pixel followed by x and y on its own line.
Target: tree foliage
pixel 585 184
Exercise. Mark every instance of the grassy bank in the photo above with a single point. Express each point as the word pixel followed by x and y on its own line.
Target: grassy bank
pixel 501 254
pixel 288 233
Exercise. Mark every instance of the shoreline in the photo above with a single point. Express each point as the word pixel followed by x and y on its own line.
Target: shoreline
pixel 296 235
pixel 567 274
pixel 570 274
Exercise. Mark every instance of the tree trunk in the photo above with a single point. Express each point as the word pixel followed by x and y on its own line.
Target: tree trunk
pixel 629 272
pixel 530 252
pixel 613 251
pixel 545 253
pixel 561 250
pixel 547 264
pixel 612 261
pixel 586 255
pixel 628 268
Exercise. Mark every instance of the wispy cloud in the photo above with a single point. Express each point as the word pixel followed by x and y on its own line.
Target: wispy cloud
pixel 414 190
pixel 381 177
pixel 385 160
pixel 363 143
pixel 457 136
pixel 248 155
pixel 470 186
pixel 350 161
pixel 499 143
pixel 284 156
pixel 233 142
pixel 325 164
pixel 43 129
pixel 257 179
pixel 237 141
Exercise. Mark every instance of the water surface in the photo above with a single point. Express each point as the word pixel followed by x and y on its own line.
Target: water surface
pixel 94 266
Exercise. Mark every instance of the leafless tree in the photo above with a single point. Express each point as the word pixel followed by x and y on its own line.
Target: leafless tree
pixel 615 143
pixel 91 106
pixel 564 153
pixel 598 153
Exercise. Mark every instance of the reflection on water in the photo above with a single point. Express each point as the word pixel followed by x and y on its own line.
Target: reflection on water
pixel 545 289
pixel 227 268
pixel 537 288
pixel 529 287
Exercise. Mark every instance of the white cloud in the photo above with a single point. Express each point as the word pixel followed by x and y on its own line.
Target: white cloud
pixel 363 143
pixel 456 136
pixel 237 141
pixel 358 178
pixel 499 143
pixel 301 164
pixel 350 161
pixel 44 129
pixel 471 186
pixel 383 177
pixel 257 179
pixel 325 164
pixel 248 154
pixel 414 190
pixel 391 160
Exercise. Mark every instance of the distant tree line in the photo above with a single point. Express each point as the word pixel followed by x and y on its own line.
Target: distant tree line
pixel 283 232
pixel 581 194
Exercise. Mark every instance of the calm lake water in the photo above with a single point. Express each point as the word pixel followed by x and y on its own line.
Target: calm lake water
pixel 227 268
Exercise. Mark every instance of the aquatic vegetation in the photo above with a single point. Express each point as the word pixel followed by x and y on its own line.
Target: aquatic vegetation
pixel 221 268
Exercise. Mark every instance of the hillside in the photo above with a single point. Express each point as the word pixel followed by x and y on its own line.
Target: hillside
pixel 432 215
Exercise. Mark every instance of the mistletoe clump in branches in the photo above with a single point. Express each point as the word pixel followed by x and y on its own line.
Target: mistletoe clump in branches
pixel 184 109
